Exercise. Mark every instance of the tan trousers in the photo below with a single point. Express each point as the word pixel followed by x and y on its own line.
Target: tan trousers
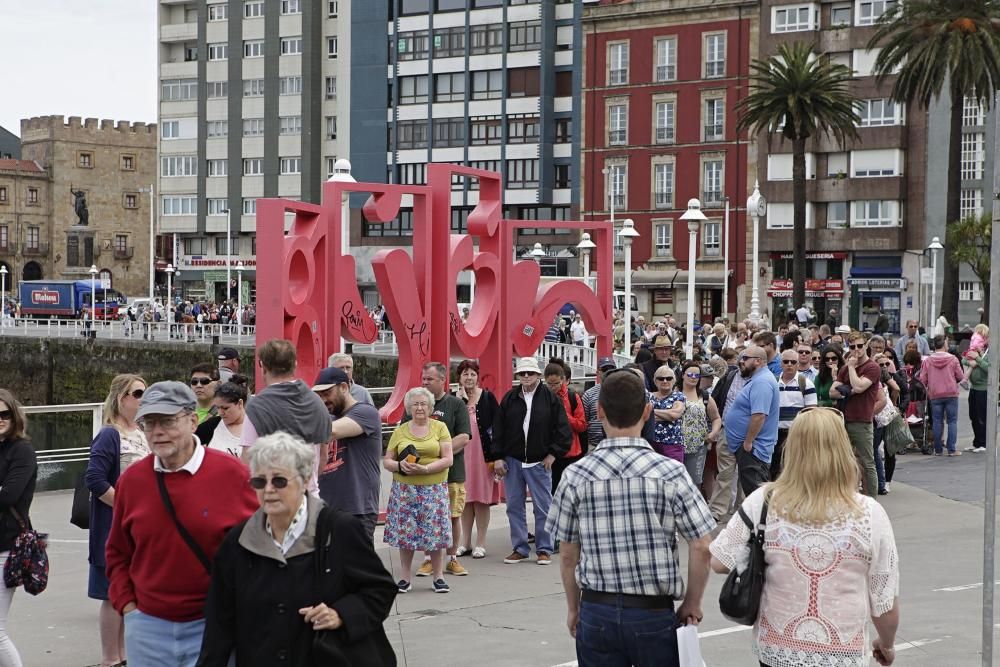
pixel 722 498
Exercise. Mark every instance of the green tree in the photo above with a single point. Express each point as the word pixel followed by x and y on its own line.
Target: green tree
pixel 799 95
pixel 968 241
pixel 935 46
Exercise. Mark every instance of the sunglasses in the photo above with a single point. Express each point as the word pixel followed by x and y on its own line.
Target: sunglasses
pixel 805 351
pixel 859 346
pixel 790 362
pixel 693 376
pixel 829 359
pixel 136 394
pixel 744 357
pixel 885 365
pixel 204 382
pixel 664 378
pixel 819 407
pixel 6 415
pixel 526 374
pixel 277 482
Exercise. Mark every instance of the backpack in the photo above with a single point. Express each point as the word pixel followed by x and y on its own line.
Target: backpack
pixel 572 399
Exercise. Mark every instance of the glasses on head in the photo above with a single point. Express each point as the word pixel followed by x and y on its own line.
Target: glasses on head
pixel 693 376
pixel 857 346
pixel 6 415
pixel 820 407
pixel 204 382
pixel 278 482
pixel 789 362
pixel 150 423
pixel 526 374
pixel 136 393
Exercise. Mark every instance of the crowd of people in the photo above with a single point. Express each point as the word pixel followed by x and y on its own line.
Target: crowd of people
pixel 187 316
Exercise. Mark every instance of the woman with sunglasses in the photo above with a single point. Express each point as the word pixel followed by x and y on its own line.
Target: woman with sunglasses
pixel 668 413
pixel 831 556
pixel 269 598
pixel 833 361
pixel 224 431
pixel 898 393
pixel 699 412
pixel 117 446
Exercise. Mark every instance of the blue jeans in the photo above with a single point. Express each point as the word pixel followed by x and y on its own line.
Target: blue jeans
pixel 538 480
pixel 155 642
pixel 613 636
pixel 941 409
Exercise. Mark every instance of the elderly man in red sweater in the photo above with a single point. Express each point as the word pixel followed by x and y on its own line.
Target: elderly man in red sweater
pixel 172 511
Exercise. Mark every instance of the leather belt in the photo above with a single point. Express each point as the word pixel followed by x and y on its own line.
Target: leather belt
pixel 630 601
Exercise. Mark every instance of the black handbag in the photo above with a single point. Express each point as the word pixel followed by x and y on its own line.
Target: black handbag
pixel 79 515
pixel 739 599
pixel 326 650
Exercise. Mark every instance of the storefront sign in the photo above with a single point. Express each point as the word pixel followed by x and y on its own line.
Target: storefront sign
pixel 197 262
pixel 810 255
pixel 663 296
pixel 878 283
pixel 814 287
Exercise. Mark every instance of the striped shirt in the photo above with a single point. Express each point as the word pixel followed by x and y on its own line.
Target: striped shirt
pixel 622 504
pixel 793 398
pixel 595 429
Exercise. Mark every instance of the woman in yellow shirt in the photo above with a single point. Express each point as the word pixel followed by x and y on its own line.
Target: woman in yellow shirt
pixel 418 517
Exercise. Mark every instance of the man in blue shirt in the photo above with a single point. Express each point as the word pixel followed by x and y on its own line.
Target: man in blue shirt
pixel 752 420
pixel 768 342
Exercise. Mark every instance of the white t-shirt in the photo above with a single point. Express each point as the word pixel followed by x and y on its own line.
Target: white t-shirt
pixel 579 331
pixel 224 441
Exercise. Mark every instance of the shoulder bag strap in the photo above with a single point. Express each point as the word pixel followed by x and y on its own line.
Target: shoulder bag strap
pixel 763 520
pixel 24 525
pixel 185 535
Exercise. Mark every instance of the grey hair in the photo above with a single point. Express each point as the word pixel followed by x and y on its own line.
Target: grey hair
pixel 417 392
pixel 339 356
pixel 283 451
pixel 876 339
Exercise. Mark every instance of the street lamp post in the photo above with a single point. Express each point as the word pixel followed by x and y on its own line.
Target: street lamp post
pixel 757 207
pixel 3 293
pixel 152 239
pixel 585 246
pixel 627 234
pixel 694 218
pixel 725 263
pixel 239 302
pixel 342 174
pixel 93 297
pixel 934 247
pixel 170 297
pixel 229 251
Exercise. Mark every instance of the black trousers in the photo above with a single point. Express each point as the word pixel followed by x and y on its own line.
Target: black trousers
pixel 779 449
pixel 752 471
pixel 558 466
pixel 977 414
pixel 368 521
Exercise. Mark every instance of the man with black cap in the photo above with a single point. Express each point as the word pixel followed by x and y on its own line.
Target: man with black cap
pixel 595 429
pixel 229 363
pixel 172 511
pixel 350 475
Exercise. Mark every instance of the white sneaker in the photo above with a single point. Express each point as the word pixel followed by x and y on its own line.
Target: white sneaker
pixel 970 449
pixel 979 449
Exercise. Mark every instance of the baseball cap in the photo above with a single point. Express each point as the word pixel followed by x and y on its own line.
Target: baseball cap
pixel 166 398
pixel 605 363
pixel 228 353
pixel 328 378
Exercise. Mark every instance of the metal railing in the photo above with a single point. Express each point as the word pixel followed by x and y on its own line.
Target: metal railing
pixel 125 330
pixel 68 454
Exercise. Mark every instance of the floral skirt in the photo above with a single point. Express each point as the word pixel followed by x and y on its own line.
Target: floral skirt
pixel 418 517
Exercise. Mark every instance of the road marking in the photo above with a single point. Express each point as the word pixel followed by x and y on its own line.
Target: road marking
pixel 952 589
pixel 917 643
pixel 67 541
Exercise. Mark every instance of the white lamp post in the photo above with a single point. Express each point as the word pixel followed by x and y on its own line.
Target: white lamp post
pixel 342 174
pixel 725 263
pixel 694 218
pixel 229 250
pixel 93 296
pixel 757 207
pixel 627 234
pixel 585 246
pixel 170 296
pixel 934 247
pixel 152 239
pixel 3 292
pixel 239 301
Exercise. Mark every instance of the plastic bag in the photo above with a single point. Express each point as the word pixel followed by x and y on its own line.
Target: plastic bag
pixel 688 648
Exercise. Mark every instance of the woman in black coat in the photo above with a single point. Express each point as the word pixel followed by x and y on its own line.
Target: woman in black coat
pixel 269 603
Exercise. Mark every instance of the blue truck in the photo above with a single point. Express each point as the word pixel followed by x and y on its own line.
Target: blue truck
pixel 65 299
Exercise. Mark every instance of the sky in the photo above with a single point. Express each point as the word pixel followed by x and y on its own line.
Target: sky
pixel 87 58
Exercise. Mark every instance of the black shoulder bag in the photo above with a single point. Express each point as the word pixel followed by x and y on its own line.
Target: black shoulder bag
pixel 326 649
pixel 739 599
pixel 185 535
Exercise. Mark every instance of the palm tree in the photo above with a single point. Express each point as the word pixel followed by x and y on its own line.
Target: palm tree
pixel 936 46
pixel 799 95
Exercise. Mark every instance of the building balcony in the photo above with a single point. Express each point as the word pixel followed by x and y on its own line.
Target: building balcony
pixel 178 32
pixel 841 189
pixel 837 240
pixel 124 253
pixel 35 250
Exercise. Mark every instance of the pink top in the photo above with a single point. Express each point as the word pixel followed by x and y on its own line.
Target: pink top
pixel 821 583
pixel 941 372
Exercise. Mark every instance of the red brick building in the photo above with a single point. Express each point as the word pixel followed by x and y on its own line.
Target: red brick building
pixel 660 82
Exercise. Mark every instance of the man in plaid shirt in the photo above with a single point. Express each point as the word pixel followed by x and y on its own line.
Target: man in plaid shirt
pixel 619 509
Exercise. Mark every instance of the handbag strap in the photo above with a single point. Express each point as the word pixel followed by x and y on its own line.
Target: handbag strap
pixel 25 525
pixel 322 535
pixel 185 535
pixel 763 520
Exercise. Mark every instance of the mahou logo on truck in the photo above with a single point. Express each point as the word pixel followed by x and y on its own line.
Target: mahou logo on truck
pixel 45 297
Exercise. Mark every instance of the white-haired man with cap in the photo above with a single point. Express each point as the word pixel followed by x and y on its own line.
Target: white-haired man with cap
pixel 229 363
pixel 530 432
pixel 172 511
pixel 345 362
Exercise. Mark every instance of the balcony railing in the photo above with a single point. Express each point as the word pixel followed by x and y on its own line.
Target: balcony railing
pixel 618 77
pixel 664 199
pixel 616 137
pixel 713 133
pixel 124 253
pixel 664 135
pixel 35 249
pixel 666 72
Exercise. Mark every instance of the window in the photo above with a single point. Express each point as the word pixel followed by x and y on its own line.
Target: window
pixel 663 238
pixel 412 173
pixel 836 215
pixel 170 129
pixel 413 89
pixel 253 48
pixel 331 128
pixel 249 207
pixel 870 11
pixel 711 234
pixel 616 179
pixel 666 59
pixel 33 239
pixel 290 125
pixel 484 130
pixel 402 225
pixel 85 160
pixel 3 193
pixel 291 165
pixel 331 11
pixel 253 166
pixel 449 42
pixel 331 87
pixel 218 51
pixel 485 39
pixel 876 213
pixel 522 129
pixel 836 165
pixel 972 156
pixel 563 178
pixel 794 18
pixel 195 245
pixel 218 12
pixel 253 87
pixel 663 185
pixel 217 128
pixel 969 290
pixel 218 206
pixel 178 89
pixel 291 46
pixel 449 87
pixel 222 244
pixel 291 7
pixel 190 53
pixel 877 112
pixel 665 117
pixel 179 165
pixel 714 118
pixel 290 85
pixel 840 16
pixel 32 195
pixel 179 205
pixel 873 163
pixel 564 130
pixel 524 35
pixel 218 167
pixel 972 112
pixel 617 63
pixel 4 237
pixel 522 174
pixel 331 47
pixel 617 125
pixel 715 55
pixel 413 45
pixel 449 132
pixel 217 89
pixel 253 127
pixel 523 82
pixel 712 183
pixel 130 200
pixel 970 202
pixel 253 9
pixel 411 134
pixel 487 84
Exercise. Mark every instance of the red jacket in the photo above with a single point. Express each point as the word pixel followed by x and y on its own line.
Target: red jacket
pixel 577 420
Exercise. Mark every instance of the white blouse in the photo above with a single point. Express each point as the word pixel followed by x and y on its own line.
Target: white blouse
pixel 820 586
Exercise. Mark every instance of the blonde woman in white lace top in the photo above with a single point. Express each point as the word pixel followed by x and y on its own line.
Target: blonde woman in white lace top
pixel 830 553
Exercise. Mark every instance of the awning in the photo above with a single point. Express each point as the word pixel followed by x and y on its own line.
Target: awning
pixel 701 279
pixel 675 278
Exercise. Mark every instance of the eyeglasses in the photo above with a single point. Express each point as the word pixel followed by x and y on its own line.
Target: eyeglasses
pixel 805 351
pixel 148 424
pixel 886 364
pixel 664 378
pixel 911 326
pixel 829 359
pixel 204 382
pixel 136 394
pixel 744 357
pixel 7 415
pixel 858 346
pixel 526 374
pixel 693 376
pixel 820 407
pixel 790 361
pixel 277 482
